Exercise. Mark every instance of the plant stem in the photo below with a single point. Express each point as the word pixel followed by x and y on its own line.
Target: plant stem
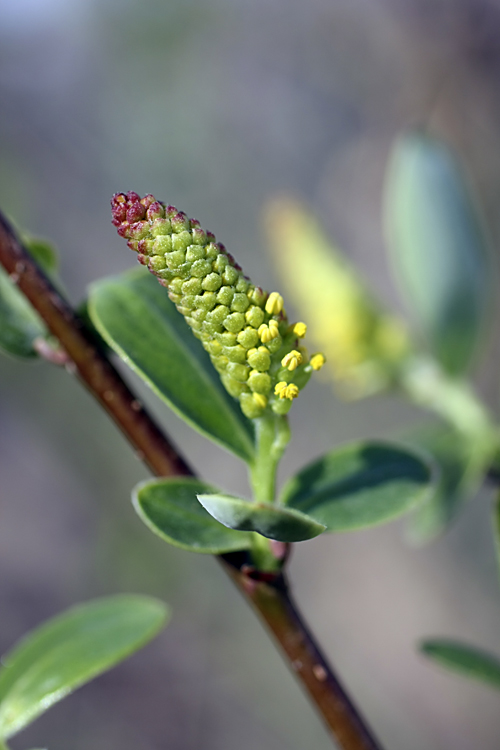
pixel 427 385
pixel 86 359
pixel 272 436
pixel 271 599
pixel 278 611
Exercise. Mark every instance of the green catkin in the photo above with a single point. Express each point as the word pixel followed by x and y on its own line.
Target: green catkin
pixel 244 329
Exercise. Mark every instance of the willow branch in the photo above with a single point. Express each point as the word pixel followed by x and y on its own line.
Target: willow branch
pixel 86 359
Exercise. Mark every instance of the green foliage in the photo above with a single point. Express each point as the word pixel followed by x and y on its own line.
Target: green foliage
pixel 170 508
pixel 466 660
pixel 20 325
pixel 69 650
pixel 359 485
pixel 271 521
pixel 437 246
pixel 133 314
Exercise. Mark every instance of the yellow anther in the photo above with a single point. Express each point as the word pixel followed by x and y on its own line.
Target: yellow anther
pixel 260 400
pixel 268 332
pixel 317 361
pixel 292 360
pixel 285 390
pixel 300 330
pixel 280 388
pixel 274 304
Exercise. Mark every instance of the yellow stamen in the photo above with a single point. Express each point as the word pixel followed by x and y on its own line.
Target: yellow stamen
pixel 285 390
pixel 292 360
pixel 274 304
pixel 268 332
pixel 260 400
pixel 317 361
pixel 300 330
pixel 280 388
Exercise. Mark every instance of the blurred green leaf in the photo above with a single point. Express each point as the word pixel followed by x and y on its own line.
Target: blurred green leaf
pixel 456 480
pixel 281 524
pixel 71 649
pixel 20 325
pixel 437 247
pixel 359 485
pixel 466 660
pixel 170 508
pixel 133 314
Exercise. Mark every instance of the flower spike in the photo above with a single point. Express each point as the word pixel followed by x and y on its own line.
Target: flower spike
pixel 244 329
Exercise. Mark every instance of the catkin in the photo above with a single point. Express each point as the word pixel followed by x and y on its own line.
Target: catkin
pixel 244 329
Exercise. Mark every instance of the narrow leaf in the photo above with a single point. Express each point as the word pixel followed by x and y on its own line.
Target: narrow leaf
pixel 170 508
pixel 281 524
pixel 69 650
pixel 437 247
pixel 360 485
pixel 133 314
pixel 466 660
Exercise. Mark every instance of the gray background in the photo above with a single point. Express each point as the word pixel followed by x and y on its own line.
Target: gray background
pixel 217 106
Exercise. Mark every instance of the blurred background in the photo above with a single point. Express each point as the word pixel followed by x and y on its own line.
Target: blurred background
pixel 217 106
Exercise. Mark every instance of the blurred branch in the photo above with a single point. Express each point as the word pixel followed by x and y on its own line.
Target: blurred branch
pixel 268 594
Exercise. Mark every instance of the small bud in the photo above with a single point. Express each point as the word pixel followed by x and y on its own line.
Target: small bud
pixel 155 211
pixel 136 212
pixel 259 359
pixel 260 400
pixel 259 382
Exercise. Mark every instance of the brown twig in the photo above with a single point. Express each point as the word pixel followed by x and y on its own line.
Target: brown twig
pixel 270 597
pixel 86 359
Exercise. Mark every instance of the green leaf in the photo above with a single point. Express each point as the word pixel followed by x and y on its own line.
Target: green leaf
pixel 457 480
pixel 20 325
pixel 466 660
pixel 437 247
pixel 71 649
pixel 359 485
pixel 133 314
pixel 170 508
pixel 281 524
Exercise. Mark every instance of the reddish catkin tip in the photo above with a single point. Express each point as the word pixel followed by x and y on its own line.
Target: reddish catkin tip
pixel 136 212
pixel 148 200
pixel 133 197
pixel 155 211
pixel 123 229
